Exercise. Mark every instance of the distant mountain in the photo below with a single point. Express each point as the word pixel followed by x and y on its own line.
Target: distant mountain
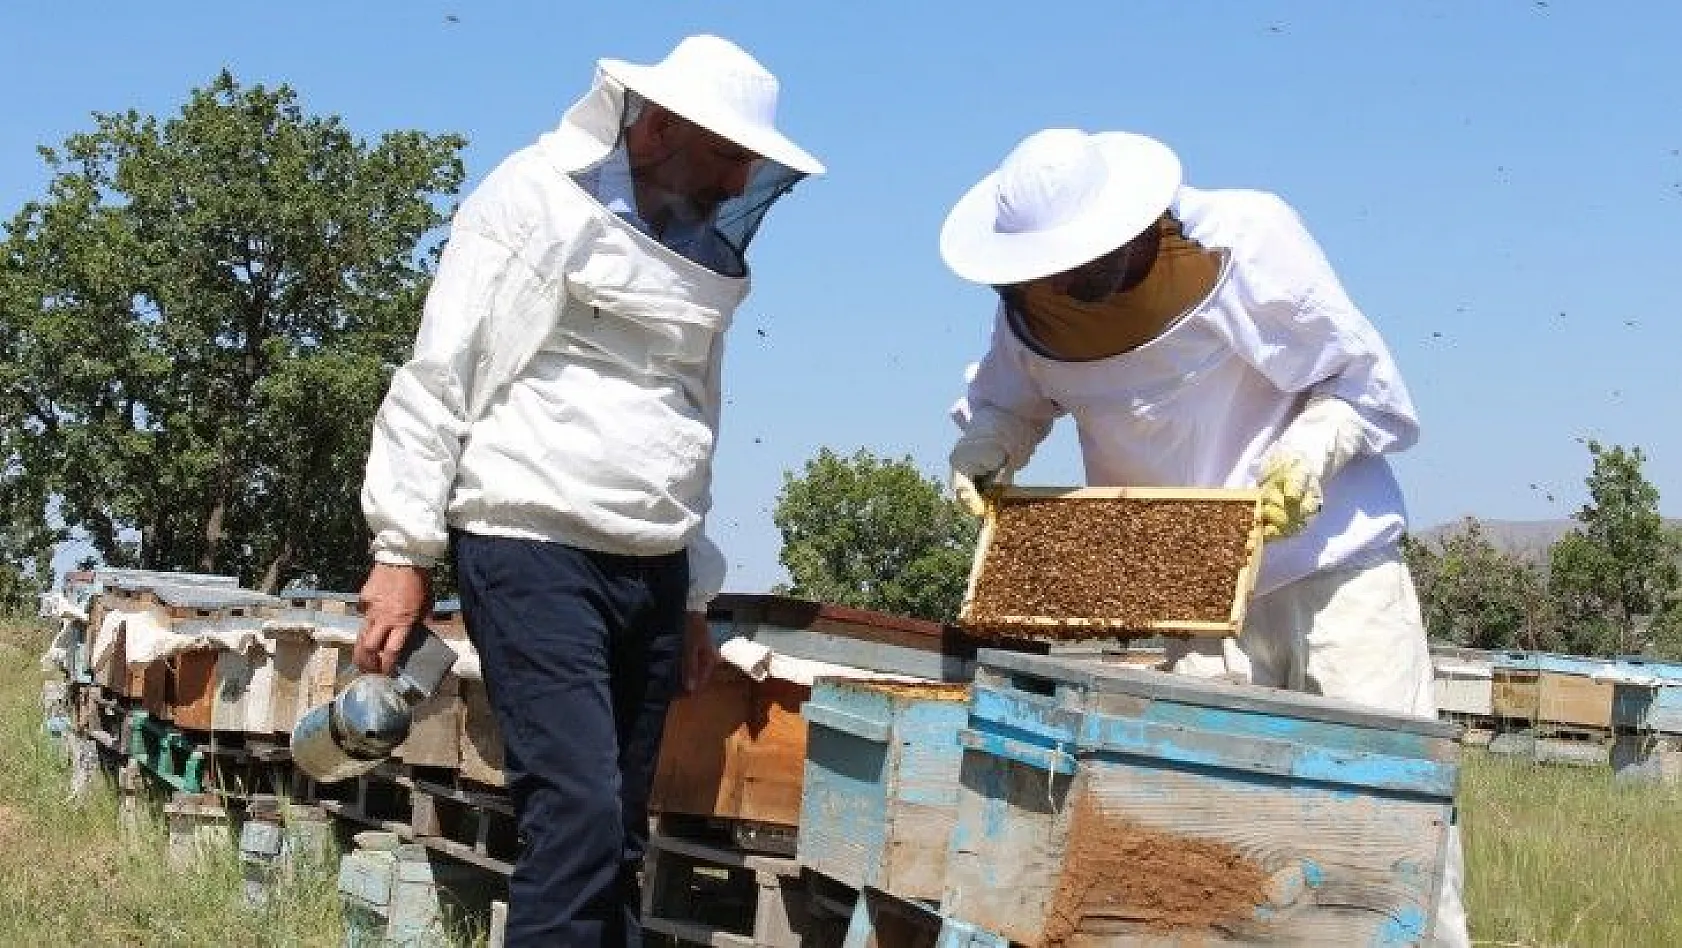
pixel 1529 539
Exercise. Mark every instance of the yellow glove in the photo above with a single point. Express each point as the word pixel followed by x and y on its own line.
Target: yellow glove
pixel 1290 495
pixel 977 465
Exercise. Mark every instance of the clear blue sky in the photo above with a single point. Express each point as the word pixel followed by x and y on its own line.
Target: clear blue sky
pixel 1499 184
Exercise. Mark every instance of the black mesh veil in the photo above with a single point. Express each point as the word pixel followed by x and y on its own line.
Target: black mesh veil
pixel 719 242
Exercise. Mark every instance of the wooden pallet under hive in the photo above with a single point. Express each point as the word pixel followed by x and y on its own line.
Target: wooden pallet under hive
pixel 1074 563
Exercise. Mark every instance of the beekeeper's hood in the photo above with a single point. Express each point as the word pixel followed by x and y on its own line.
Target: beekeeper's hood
pixel 711 82
pixel 1061 199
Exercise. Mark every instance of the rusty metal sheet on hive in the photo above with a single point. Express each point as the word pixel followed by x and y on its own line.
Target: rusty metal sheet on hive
pixel 857 638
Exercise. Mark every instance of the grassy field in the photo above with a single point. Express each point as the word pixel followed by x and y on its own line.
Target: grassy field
pixel 1555 856
pixel 1563 856
pixel 69 876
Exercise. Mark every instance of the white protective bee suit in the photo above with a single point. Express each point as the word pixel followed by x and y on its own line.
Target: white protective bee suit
pixel 1273 362
pixel 565 384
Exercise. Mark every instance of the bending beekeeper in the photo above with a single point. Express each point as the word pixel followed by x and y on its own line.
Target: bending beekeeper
pixel 555 429
pixel 1200 338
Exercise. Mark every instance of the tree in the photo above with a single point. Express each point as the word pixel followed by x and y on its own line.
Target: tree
pixel 875 534
pixel 1474 594
pixel 1619 566
pixel 198 321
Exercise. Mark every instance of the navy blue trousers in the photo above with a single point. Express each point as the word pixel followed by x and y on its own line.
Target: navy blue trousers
pixel 581 653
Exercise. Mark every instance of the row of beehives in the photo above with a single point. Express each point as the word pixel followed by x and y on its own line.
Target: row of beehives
pixel 1591 695
pixel 206 656
pixel 1060 800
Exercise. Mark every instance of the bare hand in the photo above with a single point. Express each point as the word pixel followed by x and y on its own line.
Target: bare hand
pixel 699 652
pixel 393 599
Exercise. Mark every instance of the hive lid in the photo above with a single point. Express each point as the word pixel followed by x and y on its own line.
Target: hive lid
pixel 753 614
pixel 199 597
pixel 144 579
pixel 1106 678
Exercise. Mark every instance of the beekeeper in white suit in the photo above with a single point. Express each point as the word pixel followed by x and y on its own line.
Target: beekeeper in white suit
pixel 555 430
pixel 1200 338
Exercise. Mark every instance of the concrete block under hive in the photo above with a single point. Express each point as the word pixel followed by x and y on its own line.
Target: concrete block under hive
pixel 1065 563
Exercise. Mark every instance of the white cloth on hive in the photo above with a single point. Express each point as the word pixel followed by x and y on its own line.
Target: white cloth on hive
pixel 760 662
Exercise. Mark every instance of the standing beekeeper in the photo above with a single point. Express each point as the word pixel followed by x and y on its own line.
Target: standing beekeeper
pixel 556 427
pixel 1200 338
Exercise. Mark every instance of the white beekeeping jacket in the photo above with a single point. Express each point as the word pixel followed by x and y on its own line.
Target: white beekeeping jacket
pixel 565 380
pixel 1200 404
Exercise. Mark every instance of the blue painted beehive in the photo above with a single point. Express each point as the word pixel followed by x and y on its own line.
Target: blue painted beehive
pixel 1103 801
pixel 881 783
pixel 1647 695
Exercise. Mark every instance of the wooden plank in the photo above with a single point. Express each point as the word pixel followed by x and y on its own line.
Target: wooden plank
pixel 293 650
pixel 773 887
pixel 327 670
pixel 481 756
pixel 1130 493
pixel 1515 693
pixel 148 684
pixel 1468 695
pixel 191 688
pixel 735 750
pixel 1181 626
pixel 789 620
pixel 868 655
pixel 348 811
pixel 435 735
pixel 112 674
pixel 1248 572
pixel 983 543
pixel 235 669
pixel 1138 692
pixel 1574 700
pixel 695 933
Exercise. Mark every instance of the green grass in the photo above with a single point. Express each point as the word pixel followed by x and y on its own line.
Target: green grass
pixel 70 876
pixel 1565 856
pixel 1554 855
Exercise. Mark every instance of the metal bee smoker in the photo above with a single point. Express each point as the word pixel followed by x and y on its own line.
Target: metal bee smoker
pixel 370 718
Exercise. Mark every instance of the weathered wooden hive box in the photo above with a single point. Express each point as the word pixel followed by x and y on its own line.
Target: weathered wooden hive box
pixel 737 749
pixel 1104 805
pixel 311 661
pixel 1554 690
pixel 244 691
pixel 1464 682
pixel 1073 563
pixel 183 687
pixel 881 785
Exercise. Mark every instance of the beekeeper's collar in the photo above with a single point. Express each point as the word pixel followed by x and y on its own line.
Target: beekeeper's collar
pixel 1062 198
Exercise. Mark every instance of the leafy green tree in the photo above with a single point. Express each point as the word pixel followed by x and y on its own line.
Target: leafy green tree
pixel 1476 595
pixel 198 320
pixel 876 534
pixel 1619 566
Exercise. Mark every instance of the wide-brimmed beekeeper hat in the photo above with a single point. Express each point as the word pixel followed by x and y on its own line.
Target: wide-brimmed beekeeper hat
pixel 715 84
pixel 1060 199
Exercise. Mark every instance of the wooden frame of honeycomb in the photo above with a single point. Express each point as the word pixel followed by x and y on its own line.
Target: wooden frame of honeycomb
pixel 1048 561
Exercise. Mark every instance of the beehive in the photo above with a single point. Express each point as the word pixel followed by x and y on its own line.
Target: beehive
pixel 881 786
pixel 1105 805
pixel 1076 563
